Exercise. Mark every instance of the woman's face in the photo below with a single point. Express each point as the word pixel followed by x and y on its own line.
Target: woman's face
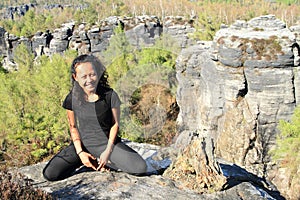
pixel 86 77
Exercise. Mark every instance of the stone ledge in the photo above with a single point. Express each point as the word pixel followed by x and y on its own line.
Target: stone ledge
pixel 87 184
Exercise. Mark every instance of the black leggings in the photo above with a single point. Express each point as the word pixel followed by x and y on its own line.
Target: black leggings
pixel 122 158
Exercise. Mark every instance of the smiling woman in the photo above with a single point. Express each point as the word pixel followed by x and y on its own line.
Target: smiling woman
pixel 87 79
pixel 93 111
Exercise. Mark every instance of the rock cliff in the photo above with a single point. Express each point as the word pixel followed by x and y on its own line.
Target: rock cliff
pixel 242 85
pixel 140 31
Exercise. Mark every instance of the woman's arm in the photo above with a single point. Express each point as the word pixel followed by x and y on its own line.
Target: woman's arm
pixel 115 128
pixel 84 156
pixel 74 131
pixel 112 137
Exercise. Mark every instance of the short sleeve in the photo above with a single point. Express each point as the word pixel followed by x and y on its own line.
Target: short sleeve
pixel 115 100
pixel 67 104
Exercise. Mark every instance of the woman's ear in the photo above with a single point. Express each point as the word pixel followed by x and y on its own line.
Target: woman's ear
pixel 74 77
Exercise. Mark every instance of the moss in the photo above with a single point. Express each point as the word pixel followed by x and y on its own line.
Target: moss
pixel 233 38
pixel 258 29
pixel 273 37
pixel 264 49
pixel 221 40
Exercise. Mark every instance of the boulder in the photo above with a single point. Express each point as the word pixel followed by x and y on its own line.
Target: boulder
pixel 86 184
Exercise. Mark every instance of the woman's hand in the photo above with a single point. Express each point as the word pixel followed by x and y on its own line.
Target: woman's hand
pixel 88 160
pixel 103 159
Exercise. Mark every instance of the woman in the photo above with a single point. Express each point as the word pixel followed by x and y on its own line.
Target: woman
pixel 93 111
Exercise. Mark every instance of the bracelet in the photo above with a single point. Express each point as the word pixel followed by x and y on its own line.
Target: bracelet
pixel 79 152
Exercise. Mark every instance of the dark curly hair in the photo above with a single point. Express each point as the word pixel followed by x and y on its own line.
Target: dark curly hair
pixel 100 70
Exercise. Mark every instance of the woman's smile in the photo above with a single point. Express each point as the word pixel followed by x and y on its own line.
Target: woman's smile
pixel 86 77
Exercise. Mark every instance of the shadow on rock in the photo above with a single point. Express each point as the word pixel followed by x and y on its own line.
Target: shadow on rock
pixel 236 175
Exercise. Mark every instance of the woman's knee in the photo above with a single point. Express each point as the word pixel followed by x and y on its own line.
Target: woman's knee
pixel 139 168
pixel 49 174
pixel 128 160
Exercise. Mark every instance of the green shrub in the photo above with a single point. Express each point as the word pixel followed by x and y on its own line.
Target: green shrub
pixel 32 122
pixel 206 26
pixel 130 70
pixel 287 151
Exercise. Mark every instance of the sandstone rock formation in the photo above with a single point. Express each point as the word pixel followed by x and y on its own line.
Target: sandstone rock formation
pixel 242 86
pixel 197 168
pixel 140 31
pixel 86 184
pixel 13 11
pixel 3 46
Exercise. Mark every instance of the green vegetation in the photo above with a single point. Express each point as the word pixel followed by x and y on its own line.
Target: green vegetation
pixel 34 21
pixel 32 123
pixel 289 2
pixel 287 151
pixel 141 77
pixel 206 26
pixel 207 15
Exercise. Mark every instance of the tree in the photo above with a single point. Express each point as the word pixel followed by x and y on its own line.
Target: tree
pixel 33 125
pixel 287 150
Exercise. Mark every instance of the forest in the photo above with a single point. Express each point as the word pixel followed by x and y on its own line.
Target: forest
pixel 207 15
pixel 32 124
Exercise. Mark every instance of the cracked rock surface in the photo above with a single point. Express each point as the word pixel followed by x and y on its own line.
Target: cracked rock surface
pixel 87 184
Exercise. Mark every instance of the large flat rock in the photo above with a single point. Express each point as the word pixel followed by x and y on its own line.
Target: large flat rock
pixel 86 184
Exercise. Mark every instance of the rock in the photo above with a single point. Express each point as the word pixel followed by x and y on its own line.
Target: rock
pixel 41 43
pixel 98 42
pixel 3 44
pixel 87 184
pixel 179 28
pixel 20 11
pixel 143 31
pixel 196 168
pixel 241 87
pixel 61 37
pixel 140 31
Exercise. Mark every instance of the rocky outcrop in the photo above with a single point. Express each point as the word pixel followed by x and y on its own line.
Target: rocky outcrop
pixel 13 11
pixel 197 169
pixel 242 86
pixel 180 30
pixel 140 31
pixel 85 184
pixel 3 46
pixel 60 41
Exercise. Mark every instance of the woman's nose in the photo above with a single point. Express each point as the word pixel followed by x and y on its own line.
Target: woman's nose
pixel 88 78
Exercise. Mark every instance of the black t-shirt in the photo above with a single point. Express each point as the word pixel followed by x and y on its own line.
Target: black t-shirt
pixel 94 119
